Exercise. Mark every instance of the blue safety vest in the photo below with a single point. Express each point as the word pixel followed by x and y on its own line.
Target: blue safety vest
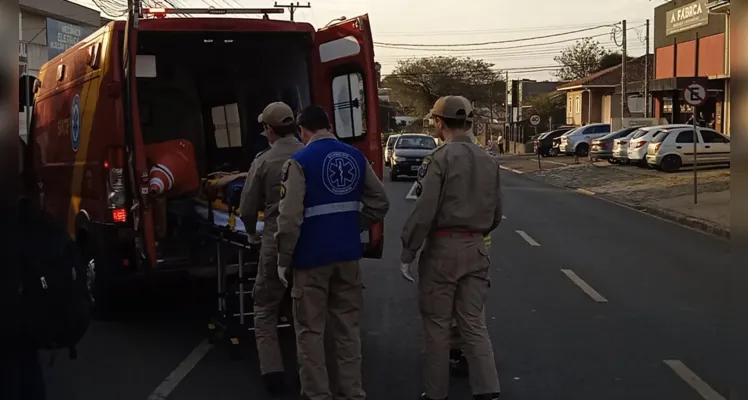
pixel 330 233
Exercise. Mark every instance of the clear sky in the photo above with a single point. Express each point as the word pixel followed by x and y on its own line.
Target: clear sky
pixel 439 22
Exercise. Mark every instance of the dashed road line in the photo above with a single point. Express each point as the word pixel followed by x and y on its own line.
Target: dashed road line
pixel 511 169
pixel 585 191
pixel 503 217
pixel 584 286
pixel 411 193
pixel 170 383
pixel 555 162
pixel 693 380
pixel 528 239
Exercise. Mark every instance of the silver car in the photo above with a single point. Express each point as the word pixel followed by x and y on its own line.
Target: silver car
pixel 673 148
pixel 637 150
pixel 388 148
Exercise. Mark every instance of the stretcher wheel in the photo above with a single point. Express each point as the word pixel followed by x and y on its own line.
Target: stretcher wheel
pixel 234 349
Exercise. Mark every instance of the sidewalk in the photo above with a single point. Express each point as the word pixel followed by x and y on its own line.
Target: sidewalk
pixel 668 196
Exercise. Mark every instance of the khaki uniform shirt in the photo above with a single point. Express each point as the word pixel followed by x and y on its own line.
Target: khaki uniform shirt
pixel 291 209
pixel 458 190
pixel 263 185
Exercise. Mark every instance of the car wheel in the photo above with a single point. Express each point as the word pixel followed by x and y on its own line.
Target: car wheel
pixel 612 161
pixel 553 152
pixel 393 176
pixel 582 150
pixel 671 163
pixel 642 163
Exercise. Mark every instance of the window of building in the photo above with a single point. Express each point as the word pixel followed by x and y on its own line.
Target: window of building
pixel 578 104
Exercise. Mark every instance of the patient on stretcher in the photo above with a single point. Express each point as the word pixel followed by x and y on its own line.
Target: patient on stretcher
pixel 222 190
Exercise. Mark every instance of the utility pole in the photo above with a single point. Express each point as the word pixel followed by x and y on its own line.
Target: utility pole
pixel 646 74
pixel 623 74
pixel 292 7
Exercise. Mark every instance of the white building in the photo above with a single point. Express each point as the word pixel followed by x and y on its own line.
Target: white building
pixel 47 28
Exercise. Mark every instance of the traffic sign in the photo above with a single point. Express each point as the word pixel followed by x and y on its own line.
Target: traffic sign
pixel 481 128
pixel 694 94
pixel 535 120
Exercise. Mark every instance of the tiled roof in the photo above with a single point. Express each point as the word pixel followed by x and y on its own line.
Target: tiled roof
pixel 610 76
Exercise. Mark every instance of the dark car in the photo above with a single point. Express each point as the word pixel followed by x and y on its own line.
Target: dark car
pixel 602 148
pixel 408 153
pixel 544 142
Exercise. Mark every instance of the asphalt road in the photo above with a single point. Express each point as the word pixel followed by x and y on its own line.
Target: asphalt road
pixel 589 301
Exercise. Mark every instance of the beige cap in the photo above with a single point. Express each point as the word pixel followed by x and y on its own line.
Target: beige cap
pixel 276 114
pixel 452 107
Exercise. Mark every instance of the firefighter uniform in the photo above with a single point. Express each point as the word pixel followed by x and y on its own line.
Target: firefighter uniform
pixel 459 204
pixel 262 192
pixel 328 195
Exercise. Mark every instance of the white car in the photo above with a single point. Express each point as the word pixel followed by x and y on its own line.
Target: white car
pixel 388 148
pixel 577 141
pixel 637 150
pixel 673 148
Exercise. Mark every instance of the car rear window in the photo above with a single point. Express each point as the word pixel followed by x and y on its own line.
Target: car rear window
pixel 640 133
pixel 660 136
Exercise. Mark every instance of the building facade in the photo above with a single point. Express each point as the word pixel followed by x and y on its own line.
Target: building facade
pixel 691 40
pixel 46 29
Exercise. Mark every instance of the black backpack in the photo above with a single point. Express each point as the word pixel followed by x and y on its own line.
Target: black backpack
pixel 55 290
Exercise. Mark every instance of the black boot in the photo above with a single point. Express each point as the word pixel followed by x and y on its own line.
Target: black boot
pixel 458 365
pixel 424 397
pixel 274 381
pixel 487 396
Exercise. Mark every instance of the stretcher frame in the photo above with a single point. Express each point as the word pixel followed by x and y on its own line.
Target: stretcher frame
pixel 226 325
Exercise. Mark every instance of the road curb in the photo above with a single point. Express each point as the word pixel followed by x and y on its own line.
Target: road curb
pixel 672 216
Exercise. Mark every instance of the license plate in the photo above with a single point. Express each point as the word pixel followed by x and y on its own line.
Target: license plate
pixel 414 168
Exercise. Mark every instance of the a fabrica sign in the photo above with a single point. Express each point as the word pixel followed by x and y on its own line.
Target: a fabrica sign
pixel 687 17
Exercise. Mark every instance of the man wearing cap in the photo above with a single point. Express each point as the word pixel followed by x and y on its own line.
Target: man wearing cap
pixel 459 203
pixel 329 194
pixel 262 193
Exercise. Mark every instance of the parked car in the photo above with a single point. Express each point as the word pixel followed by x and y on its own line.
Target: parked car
pixel 602 148
pixel 544 143
pixel 408 153
pixel 673 148
pixel 577 141
pixel 637 150
pixel 621 148
pixel 388 148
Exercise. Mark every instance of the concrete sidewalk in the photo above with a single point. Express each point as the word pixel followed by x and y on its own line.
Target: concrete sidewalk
pixel 665 195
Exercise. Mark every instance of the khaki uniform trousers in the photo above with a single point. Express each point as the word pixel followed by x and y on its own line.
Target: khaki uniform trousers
pixel 335 292
pixel 268 295
pixel 453 285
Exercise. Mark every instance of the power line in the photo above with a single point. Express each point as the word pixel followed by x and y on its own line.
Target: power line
pixel 495 42
pixel 486 31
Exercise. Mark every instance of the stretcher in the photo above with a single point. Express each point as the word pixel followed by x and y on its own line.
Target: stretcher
pixel 218 216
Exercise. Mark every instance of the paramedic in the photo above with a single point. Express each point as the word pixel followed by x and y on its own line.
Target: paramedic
pixel 261 193
pixel 329 194
pixel 459 203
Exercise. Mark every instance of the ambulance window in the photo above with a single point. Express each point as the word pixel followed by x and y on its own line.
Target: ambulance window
pixel 227 126
pixel 348 105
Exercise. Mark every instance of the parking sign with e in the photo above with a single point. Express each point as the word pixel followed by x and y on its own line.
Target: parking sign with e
pixel 694 94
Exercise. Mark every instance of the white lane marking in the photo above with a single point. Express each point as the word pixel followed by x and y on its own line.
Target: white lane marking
pixel 510 169
pixel 555 162
pixel 170 383
pixel 693 380
pixel 585 191
pixel 528 239
pixel 584 286
pixel 503 217
pixel 411 195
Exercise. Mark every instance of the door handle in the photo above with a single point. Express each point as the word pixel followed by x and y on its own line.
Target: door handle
pixel 678 147
pixel 708 147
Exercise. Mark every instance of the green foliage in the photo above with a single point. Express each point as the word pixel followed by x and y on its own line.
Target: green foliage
pixel 417 83
pixel 580 60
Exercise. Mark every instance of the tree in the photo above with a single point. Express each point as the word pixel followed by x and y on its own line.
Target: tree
pixel 580 60
pixel 418 83
pixel 611 60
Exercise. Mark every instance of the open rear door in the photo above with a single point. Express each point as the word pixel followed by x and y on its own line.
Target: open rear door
pixel 140 213
pixel 345 84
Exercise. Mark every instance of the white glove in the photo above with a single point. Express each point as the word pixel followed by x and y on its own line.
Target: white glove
pixel 282 275
pixel 406 270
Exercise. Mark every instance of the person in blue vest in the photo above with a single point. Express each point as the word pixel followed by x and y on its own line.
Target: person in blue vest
pixel 329 194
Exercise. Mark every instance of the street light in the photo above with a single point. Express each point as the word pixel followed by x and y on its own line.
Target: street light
pixel 339 19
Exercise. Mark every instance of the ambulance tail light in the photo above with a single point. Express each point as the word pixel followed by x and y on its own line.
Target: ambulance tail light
pixel 115 183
